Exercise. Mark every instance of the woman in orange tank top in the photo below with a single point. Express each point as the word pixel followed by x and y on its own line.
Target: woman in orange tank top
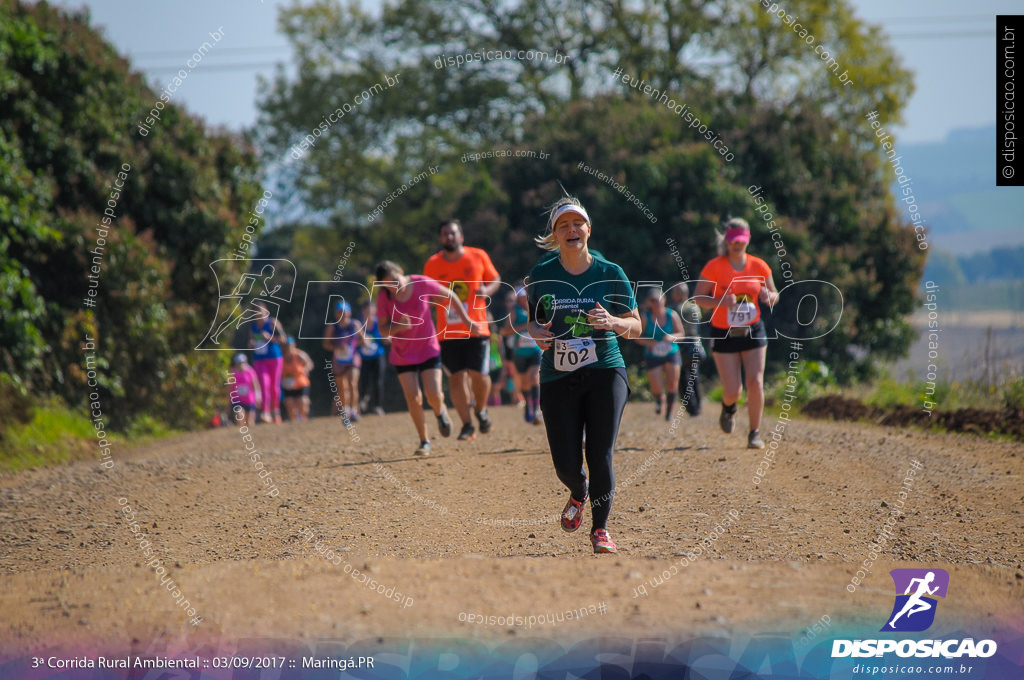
pixel 295 381
pixel 732 285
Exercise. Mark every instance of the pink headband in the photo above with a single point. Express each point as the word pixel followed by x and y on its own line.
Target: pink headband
pixel 737 234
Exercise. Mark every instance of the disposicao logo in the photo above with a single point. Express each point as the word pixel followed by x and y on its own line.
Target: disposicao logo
pixel 914 611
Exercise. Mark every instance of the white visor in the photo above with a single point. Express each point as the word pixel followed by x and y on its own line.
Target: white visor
pixel 569 207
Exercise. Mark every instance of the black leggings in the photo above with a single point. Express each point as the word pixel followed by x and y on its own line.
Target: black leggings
pixel 592 399
pixel 689 383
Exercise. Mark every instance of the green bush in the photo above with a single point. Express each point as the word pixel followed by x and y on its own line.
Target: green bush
pixel 1013 394
pixel 54 434
pixel 146 426
pixel 15 403
pixel 811 379
pixel 888 393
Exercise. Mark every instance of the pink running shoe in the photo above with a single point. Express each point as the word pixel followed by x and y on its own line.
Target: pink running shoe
pixel 572 514
pixel 603 543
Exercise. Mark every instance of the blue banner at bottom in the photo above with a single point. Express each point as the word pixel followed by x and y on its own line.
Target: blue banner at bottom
pixel 767 656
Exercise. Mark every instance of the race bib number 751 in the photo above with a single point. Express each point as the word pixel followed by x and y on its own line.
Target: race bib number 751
pixel 573 354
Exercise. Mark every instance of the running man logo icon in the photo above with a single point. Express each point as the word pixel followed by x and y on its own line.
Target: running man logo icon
pixel 261 287
pixel 914 610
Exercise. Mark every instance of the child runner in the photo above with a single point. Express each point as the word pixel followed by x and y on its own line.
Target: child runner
pixel 343 339
pixel 295 381
pixel 244 393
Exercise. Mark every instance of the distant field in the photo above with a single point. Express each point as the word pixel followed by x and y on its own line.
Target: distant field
pixel 990 210
pixel 968 241
pixel 965 341
pixel 992 296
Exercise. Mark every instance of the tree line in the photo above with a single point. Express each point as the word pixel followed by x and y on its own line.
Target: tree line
pixel 70 106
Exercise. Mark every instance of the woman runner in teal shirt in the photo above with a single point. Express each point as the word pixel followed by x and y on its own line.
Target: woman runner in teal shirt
pixel 579 304
pixel 662 330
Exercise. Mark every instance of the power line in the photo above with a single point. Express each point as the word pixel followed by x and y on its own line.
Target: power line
pixel 929 36
pixel 213 68
pixel 931 20
pixel 269 64
pixel 220 50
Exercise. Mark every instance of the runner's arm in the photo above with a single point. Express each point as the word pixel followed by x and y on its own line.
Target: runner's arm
pixel 769 294
pixel 490 288
pixel 628 325
pixel 678 333
pixel 702 296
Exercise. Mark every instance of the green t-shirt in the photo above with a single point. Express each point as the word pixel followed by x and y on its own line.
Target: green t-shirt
pixel 556 295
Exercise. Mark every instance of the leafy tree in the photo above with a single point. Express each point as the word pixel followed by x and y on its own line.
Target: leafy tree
pixel 69 113
pixel 792 126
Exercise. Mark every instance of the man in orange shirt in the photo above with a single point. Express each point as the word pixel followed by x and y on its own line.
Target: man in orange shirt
pixel 464 355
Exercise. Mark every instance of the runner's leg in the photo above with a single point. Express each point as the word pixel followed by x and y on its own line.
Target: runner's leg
pixel 414 400
pixel 277 370
pixel 481 386
pixel 432 388
pixel 458 389
pixel 671 378
pixel 728 366
pixel 563 421
pixel 603 402
pixel 753 366
pixel 654 379
pixel 264 372
pixel 354 387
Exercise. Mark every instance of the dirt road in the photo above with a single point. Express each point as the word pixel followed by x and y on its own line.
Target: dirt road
pixel 471 533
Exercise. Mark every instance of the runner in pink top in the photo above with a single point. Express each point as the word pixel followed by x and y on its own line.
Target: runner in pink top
pixel 404 316
pixel 413 334
pixel 244 392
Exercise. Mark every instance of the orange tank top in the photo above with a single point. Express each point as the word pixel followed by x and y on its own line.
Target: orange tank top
pixel 293 374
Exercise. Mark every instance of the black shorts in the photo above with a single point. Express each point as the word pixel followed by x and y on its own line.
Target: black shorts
pixel 432 362
pixel 655 362
pixel 294 394
pixel 525 363
pixel 466 354
pixel 723 343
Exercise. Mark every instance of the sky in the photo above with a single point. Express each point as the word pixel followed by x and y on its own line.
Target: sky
pixel 948 44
